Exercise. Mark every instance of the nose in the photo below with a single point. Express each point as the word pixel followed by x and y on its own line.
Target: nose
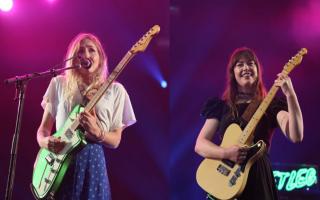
pixel 86 53
pixel 246 66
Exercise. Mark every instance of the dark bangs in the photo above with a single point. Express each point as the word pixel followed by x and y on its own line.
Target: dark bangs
pixel 245 53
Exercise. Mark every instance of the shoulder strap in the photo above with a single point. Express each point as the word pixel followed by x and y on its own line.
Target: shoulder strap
pixel 250 110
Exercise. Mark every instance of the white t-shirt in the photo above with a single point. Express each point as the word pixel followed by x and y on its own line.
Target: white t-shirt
pixel 114 108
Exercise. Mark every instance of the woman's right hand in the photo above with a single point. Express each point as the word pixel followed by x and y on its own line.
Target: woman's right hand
pixel 236 154
pixel 54 144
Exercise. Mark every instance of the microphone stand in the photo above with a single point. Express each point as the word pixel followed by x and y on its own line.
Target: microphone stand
pixel 21 84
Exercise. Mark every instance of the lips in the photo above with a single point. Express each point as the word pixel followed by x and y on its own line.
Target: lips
pixel 246 74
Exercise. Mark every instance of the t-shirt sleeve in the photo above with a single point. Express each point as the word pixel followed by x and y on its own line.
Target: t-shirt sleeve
pixel 278 104
pixel 213 108
pixel 50 98
pixel 123 114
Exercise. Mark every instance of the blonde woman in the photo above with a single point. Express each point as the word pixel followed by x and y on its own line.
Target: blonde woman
pixel 87 177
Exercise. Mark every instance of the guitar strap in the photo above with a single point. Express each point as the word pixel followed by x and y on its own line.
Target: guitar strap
pixel 248 113
pixel 250 110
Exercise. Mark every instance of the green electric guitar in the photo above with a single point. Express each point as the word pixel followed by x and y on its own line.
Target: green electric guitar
pixel 50 168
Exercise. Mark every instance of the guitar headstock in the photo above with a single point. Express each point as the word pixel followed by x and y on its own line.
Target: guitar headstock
pixel 142 44
pixel 294 61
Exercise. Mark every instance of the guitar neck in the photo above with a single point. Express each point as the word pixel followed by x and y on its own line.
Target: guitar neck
pixel 247 134
pixel 249 129
pixel 115 73
pixel 139 46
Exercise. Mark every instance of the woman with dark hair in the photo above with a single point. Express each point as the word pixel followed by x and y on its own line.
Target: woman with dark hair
pixel 86 178
pixel 244 85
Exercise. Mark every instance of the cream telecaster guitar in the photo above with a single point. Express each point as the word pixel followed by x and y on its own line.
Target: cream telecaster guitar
pixel 50 168
pixel 225 179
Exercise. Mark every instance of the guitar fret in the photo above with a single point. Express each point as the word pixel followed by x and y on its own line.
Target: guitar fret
pixel 248 131
pixel 109 80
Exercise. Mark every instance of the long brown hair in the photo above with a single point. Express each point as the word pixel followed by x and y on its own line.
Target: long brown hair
pixel 231 90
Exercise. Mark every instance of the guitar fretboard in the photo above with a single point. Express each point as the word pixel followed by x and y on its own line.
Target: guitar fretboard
pixel 115 73
pixel 249 129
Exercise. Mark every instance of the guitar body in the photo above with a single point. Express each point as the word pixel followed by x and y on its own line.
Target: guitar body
pixel 225 179
pixel 50 168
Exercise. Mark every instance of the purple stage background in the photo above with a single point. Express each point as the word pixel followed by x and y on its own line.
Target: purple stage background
pixel 156 159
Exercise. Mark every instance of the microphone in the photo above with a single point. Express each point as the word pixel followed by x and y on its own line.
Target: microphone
pixel 84 63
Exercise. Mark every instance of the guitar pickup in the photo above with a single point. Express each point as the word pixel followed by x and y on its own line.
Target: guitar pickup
pixel 50 159
pixel 69 134
pixel 238 172
pixel 223 170
pixel 233 180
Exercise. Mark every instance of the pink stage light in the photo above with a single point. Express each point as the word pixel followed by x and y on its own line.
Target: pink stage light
pixel 6 5
pixel 305 22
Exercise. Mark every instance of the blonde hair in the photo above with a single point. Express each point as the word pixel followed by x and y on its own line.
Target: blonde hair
pixel 73 77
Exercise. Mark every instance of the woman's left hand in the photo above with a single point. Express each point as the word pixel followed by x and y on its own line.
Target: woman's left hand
pixel 285 83
pixel 88 121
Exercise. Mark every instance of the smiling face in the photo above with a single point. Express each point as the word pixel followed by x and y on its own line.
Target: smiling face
pixel 244 75
pixel 245 72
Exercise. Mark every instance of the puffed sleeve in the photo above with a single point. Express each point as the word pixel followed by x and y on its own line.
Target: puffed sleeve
pixel 213 108
pixel 123 115
pixel 50 98
pixel 277 104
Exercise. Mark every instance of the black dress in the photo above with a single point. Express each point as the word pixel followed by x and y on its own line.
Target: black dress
pixel 260 184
